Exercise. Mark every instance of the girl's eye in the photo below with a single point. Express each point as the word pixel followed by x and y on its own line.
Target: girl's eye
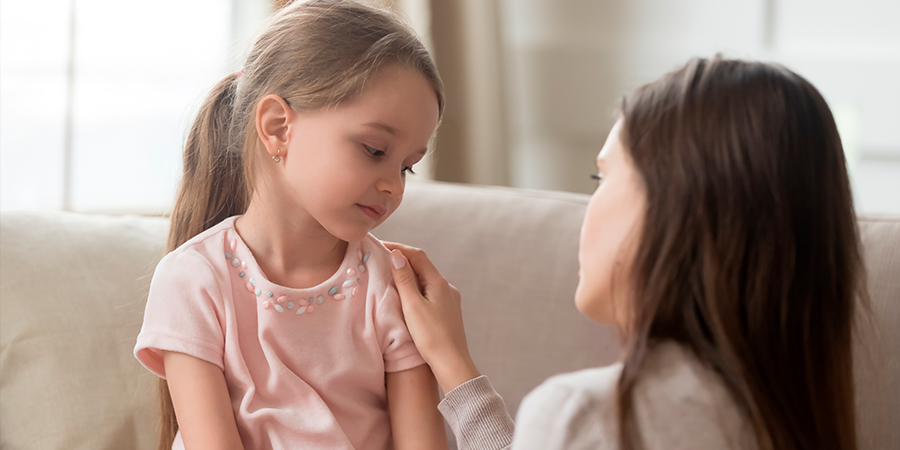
pixel 374 152
pixel 598 177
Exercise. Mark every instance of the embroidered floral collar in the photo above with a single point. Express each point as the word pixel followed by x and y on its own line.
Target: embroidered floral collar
pixel 300 301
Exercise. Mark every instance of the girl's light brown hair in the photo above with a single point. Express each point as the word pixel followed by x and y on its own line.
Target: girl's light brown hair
pixel 749 255
pixel 314 54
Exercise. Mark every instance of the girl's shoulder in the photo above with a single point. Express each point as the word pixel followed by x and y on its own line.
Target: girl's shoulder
pixel 376 259
pixel 203 253
pixel 375 255
pixel 374 245
pixel 218 233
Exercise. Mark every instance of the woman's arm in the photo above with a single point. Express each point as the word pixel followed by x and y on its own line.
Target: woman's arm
pixel 202 404
pixel 412 401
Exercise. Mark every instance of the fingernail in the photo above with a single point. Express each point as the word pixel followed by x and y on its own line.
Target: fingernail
pixel 397 259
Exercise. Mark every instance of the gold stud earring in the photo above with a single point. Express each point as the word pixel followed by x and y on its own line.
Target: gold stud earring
pixel 277 158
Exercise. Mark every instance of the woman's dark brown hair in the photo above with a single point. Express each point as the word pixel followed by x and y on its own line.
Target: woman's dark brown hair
pixel 749 255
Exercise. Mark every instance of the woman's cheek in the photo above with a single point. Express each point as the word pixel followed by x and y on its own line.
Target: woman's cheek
pixel 591 297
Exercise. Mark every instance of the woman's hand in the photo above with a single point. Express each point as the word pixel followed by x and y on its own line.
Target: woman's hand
pixel 433 316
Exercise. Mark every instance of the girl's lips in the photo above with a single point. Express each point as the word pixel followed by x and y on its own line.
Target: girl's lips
pixel 375 212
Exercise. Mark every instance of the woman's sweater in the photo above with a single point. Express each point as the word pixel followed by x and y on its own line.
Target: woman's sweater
pixel 679 404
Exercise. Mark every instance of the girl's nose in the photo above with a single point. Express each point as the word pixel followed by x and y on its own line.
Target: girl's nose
pixel 392 184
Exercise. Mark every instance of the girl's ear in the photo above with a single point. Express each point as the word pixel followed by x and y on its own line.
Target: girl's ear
pixel 273 124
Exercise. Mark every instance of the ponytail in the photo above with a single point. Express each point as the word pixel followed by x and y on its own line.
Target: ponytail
pixel 213 188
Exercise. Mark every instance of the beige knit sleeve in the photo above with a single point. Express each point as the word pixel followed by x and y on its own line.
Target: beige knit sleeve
pixel 477 416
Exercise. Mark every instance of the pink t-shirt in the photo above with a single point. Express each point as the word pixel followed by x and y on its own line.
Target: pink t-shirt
pixel 304 367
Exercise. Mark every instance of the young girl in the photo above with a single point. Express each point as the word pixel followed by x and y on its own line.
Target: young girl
pixel 274 321
pixel 722 242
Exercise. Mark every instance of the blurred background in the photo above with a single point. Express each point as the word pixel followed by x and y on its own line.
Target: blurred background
pixel 96 95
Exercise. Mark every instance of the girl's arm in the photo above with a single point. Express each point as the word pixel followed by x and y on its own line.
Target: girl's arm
pixel 202 404
pixel 412 401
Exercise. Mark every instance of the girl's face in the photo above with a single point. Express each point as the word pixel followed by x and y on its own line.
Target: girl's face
pixel 609 235
pixel 346 166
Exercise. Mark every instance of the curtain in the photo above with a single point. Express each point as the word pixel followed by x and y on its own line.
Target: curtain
pixel 471 144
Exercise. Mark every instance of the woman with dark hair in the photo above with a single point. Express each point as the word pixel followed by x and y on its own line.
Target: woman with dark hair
pixel 722 243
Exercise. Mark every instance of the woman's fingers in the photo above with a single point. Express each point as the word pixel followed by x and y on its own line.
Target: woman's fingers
pixel 406 280
pixel 418 315
pixel 425 270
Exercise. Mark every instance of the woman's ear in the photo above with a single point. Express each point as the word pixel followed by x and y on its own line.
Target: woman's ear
pixel 273 124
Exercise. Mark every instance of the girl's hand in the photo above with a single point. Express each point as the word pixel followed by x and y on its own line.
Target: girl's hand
pixel 433 316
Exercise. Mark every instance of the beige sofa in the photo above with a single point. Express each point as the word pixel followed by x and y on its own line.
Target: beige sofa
pixel 73 289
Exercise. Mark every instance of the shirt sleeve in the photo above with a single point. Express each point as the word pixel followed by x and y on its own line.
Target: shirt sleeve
pixel 397 347
pixel 182 313
pixel 477 416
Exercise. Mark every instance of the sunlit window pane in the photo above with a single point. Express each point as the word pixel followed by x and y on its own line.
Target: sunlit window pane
pixel 141 70
pixel 34 40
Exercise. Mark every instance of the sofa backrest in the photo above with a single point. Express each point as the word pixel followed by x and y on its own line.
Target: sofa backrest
pixel 72 291
pixel 877 344
pixel 72 294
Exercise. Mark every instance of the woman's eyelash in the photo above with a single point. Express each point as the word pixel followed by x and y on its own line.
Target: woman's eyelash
pixel 598 177
pixel 407 169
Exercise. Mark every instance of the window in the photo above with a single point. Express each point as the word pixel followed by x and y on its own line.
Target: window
pixel 568 63
pixel 97 96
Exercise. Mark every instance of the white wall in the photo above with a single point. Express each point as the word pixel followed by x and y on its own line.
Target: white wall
pixel 569 61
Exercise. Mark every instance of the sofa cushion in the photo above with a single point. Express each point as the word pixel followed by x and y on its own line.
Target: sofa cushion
pixel 73 287
pixel 73 290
